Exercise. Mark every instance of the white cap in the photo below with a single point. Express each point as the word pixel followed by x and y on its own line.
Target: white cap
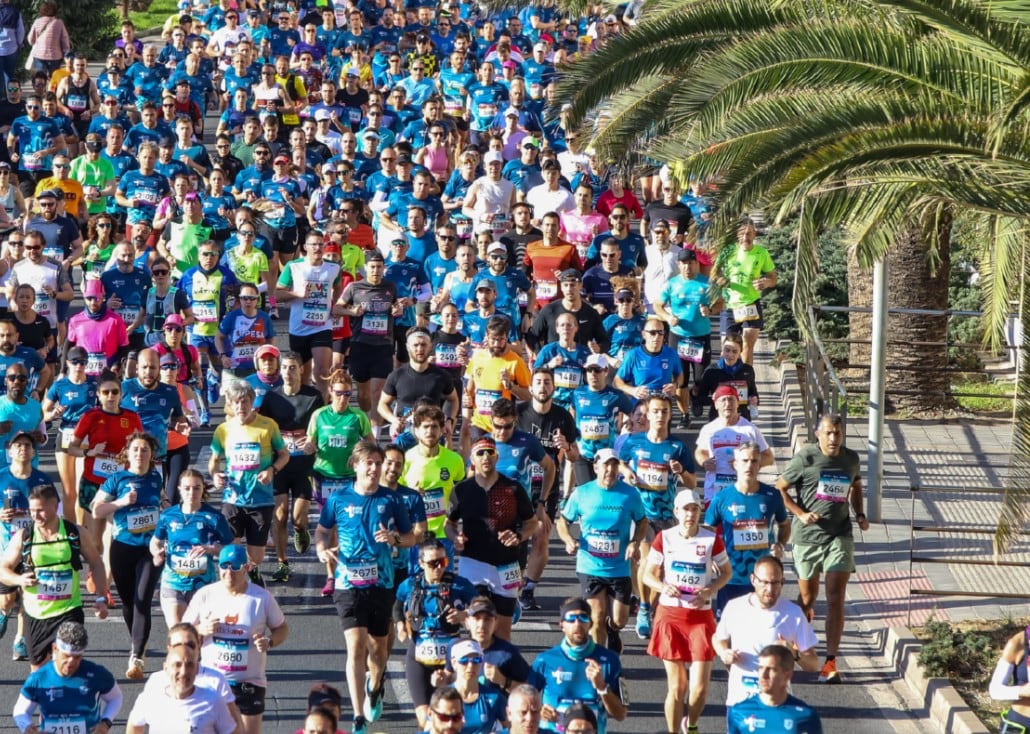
pixel 493 156
pixel 540 46
pixel 465 647
pixel 604 456
pixel 689 497
pixel 597 360
pixel 496 247
pixel 511 111
pixel 323 114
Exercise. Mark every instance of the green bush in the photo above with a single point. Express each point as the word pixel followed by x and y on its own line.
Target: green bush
pixel 950 652
pixel 831 290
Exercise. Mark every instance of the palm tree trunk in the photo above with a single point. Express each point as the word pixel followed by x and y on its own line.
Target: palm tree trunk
pixel 860 325
pixel 916 350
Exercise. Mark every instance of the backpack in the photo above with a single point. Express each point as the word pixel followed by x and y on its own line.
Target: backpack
pixel 414 609
pixel 73 540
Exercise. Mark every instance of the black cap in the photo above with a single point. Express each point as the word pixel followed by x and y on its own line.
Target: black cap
pixel 570 274
pixel 422 37
pixel 403 158
pixel 374 256
pixel 660 223
pixel 686 256
pixel 21 434
pixel 482 604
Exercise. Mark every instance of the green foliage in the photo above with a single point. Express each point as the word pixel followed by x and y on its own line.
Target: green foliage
pixel 953 653
pixel 92 24
pixel 153 17
pixel 830 289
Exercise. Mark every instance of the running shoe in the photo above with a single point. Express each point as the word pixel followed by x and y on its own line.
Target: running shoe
pixel 214 386
pixel 205 418
pixel 528 602
pixel 136 669
pixel 614 639
pixel 373 706
pixel 301 540
pixel 330 587
pixel 517 614
pixel 360 726
pixel 686 728
pixel 19 650
pixel 684 422
pixel 644 623
pixel 829 673
pixel 254 575
pixel 3 624
pixel 281 574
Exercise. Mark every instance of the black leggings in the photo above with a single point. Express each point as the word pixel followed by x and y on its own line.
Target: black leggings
pixel 135 577
pixel 418 677
pixel 176 462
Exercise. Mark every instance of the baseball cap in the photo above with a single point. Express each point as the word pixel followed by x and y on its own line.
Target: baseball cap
pixel 496 247
pixel 623 293
pixel 49 194
pixel 660 224
pixel 235 554
pixel 281 159
pixel 610 19
pixel 77 352
pixel 689 497
pixel 540 47
pixel 21 434
pixel 323 114
pixel 604 456
pixel 403 158
pixel 465 647
pixel 374 256
pixel 686 255
pixel 486 285
pixel 353 72
pixel 324 694
pixel 169 359
pixel 509 64
pixel 597 360
pixel 370 134
pixel 93 289
pixel 266 350
pixel 511 111
pixel 724 391
pixel 493 156
pixel 332 248
pixel 173 320
pixel 480 605
pixel 530 143
pixel 570 274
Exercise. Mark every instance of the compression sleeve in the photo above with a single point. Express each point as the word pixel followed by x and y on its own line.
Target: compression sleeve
pixel 999 690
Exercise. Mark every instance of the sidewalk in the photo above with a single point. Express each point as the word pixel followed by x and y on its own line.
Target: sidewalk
pixel 971 454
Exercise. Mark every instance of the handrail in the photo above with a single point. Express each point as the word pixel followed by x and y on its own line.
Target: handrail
pixel 824 391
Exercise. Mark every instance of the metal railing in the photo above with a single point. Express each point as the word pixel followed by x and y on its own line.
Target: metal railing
pixel 824 392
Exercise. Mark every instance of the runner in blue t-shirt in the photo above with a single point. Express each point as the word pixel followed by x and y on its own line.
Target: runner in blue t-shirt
pixel 596 408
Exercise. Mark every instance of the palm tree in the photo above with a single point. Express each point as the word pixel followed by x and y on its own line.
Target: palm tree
pixel 887 118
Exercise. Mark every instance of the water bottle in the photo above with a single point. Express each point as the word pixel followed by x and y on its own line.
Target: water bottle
pixel 754 408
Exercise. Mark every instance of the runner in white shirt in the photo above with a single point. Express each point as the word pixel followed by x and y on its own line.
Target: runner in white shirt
pixel 761 618
pixel 718 439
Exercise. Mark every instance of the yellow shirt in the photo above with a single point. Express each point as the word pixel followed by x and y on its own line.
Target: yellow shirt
pixel 74 197
pixel 485 384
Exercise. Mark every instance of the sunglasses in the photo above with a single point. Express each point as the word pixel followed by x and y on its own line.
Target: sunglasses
pixel 32 248
pixel 209 254
pixel 609 254
pixel 503 426
pixel 246 233
pixel 470 660
pixel 448 717
pixel 17 378
pixel 572 617
pixel 77 362
pixel 436 562
pixel 159 273
pixel 445 237
pixel 485 452
pixel 341 393
pixel 234 566
pixel 653 332
pixel 248 298
pixel 173 328
pixel 62 165
pixel 89 298
pixel 170 366
pixel 103 225
pixel 115 391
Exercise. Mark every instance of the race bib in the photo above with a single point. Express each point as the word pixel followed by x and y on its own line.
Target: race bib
pixel 205 311
pixel 64 725
pixel 96 362
pixel 485 400
pixel 142 520
pixel 567 377
pixel 361 574
pixel 19 523
pixel 315 314
pixel 741 387
pixel 76 102
pixel 231 654
pixel 105 466
pixel 510 576
pixel 187 566
pixel 67 436
pixel 750 535
pixel 833 487
pixel 691 350
pixel 603 544
pixel 433 500
pixel 53 585
pixel 722 481
pixel 290 438
pixel 594 429
pixel 447 355
pixel 375 324
pixel 486 110
pixel 432 651
pixel 128 314
pixel 546 289
pixel 652 475
pixel 245 456
pixel 746 313
pixel 463 227
pixel 243 353
pixel 688 577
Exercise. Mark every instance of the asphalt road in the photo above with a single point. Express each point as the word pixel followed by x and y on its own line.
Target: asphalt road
pixel 867 704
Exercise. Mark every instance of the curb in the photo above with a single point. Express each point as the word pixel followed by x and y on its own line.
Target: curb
pixel 900 648
pixel 946 707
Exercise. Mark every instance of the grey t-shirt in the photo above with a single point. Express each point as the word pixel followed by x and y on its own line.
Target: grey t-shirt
pixel 822 484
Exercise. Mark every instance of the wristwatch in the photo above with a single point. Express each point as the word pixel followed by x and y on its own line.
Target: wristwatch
pixel 105 720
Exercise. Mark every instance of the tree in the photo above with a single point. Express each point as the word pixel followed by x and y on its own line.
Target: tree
pixel 92 24
pixel 883 117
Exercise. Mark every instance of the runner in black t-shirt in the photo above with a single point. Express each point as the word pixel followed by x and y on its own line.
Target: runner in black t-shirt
pixel 556 429
pixel 418 379
pixel 291 407
pixel 672 210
